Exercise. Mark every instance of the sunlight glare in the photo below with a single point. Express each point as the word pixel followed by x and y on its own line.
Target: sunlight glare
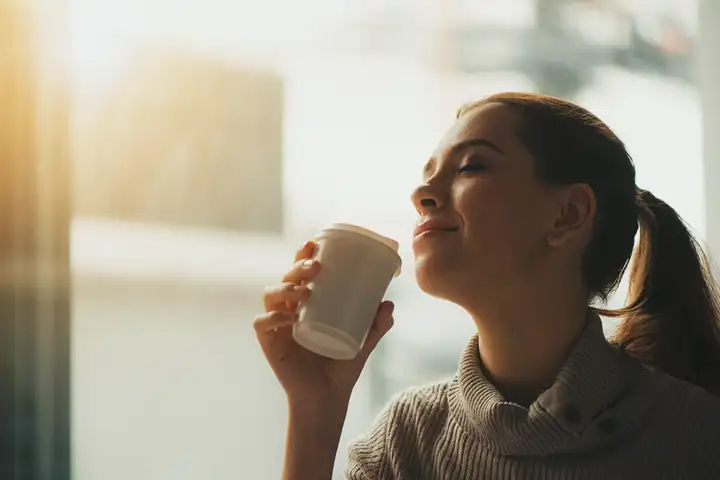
pixel 99 42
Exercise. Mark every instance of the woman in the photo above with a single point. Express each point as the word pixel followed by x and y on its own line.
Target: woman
pixel 533 210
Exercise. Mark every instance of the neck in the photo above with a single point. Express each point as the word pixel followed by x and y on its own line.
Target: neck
pixel 524 341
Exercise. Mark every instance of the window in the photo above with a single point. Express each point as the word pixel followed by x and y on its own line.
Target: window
pixel 209 139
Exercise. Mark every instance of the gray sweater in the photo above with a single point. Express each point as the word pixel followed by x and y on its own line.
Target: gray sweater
pixel 606 417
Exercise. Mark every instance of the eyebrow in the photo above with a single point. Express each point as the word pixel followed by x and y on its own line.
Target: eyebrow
pixel 460 146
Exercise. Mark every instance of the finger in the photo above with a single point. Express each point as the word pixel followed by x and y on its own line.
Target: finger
pixel 306 251
pixel 269 322
pixel 302 271
pixel 285 297
pixel 382 324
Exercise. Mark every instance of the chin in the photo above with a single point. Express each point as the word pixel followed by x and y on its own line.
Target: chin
pixel 435 278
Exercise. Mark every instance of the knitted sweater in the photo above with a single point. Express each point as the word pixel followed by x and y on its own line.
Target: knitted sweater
pixel 606 417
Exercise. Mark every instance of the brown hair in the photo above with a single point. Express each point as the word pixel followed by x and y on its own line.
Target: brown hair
pixel 671 321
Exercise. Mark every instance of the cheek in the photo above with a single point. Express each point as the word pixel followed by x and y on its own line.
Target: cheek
pixel 500 220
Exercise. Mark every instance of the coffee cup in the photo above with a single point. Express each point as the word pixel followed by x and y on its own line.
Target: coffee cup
pixel 357 268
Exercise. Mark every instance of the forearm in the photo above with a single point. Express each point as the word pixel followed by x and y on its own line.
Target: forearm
pixel 312 442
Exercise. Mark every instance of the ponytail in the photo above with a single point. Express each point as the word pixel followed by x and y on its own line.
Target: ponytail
pixel 672 319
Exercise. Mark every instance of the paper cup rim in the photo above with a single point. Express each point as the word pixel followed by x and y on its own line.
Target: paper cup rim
pixel 367 233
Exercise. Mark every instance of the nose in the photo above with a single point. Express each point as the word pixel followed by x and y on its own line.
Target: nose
pixel 426 198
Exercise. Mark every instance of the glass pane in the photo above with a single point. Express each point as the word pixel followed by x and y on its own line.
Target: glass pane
pixel 211 138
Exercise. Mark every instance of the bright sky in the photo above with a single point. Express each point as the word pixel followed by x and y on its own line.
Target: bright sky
pixel 102 30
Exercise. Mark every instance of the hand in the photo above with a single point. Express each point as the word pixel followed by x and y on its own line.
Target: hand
pixel 307 378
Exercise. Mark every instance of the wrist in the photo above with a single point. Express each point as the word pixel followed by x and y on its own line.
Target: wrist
pixel 318 410
pixel 314 432
pixel 325 403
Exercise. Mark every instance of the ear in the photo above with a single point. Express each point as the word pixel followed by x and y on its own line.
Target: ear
pixel 576 210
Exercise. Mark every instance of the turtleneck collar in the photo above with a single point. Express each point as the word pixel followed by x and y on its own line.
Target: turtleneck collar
pixel 594 399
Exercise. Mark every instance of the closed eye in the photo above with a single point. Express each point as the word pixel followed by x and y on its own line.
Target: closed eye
pixel 472 167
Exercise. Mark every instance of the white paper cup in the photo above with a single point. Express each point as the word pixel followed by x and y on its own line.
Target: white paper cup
pixel 357 266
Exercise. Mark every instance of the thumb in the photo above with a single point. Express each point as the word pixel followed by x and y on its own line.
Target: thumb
pixel 382 324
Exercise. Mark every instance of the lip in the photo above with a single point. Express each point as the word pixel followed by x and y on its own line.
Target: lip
pixel 433 226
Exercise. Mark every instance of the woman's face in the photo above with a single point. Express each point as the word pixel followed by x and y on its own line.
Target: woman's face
pixel 487 212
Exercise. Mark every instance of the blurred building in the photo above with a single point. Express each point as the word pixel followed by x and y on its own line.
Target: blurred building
pixel 183 139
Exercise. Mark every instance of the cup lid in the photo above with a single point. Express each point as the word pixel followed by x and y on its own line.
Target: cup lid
pixel 346 227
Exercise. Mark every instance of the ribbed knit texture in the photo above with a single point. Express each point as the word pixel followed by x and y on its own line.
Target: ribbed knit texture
pixel 606 417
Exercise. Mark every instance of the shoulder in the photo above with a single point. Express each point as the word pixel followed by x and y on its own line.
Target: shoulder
pixel 690 417
pixel 415 405
pixel 412 408
pixel 410 421
pixel 691 405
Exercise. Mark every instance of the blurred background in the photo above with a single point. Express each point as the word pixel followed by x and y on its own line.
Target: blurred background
pixel 209 139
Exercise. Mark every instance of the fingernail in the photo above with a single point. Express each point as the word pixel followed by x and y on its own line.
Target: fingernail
pixel 308 263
